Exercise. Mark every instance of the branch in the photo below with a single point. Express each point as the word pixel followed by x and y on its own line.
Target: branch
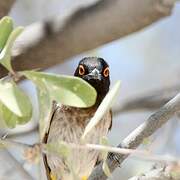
pixel 169 172
pixel 150 100
pixel 134 139
pixel 5 7
pixel 26 131
pixel 54 149
pixel 157 174
pixel 50 43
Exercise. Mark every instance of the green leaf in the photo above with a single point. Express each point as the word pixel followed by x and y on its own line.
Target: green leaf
pixel 106 170
pixel 15 105
pixel 104 154
pixel 102 109
pixel 5 55
pixel 68 90
pixel 5 116
pixel 104 141
pixel 10 118
pixel 15 99
pixel 44 108
pixel 6 27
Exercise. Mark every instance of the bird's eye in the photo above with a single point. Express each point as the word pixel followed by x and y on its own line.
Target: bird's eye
pixel 81 70
pixel 106 72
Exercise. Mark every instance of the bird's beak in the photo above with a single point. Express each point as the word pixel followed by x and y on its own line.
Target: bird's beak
pixel 95 74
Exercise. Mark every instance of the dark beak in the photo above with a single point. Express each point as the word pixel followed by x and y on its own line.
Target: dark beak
pixel 95 74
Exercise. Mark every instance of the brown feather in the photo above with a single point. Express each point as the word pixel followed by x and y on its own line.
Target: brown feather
pixel 68 124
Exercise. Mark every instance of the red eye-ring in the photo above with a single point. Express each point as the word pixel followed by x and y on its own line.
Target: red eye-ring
pixel 81 70
pixel 106 72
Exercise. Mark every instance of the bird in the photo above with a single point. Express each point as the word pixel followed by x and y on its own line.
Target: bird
pixel 68 124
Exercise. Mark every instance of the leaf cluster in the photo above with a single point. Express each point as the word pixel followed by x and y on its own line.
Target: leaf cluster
pixel 15 105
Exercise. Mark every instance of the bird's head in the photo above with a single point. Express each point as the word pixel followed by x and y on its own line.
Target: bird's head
pixel 95 71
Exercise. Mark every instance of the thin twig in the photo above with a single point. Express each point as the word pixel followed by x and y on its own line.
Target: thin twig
pixel 134 139
pixel 30 130
pixel 11 143
pixel 142 154
pixel 137 153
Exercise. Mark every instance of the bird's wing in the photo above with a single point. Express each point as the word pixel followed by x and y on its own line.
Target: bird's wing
pixel 44 140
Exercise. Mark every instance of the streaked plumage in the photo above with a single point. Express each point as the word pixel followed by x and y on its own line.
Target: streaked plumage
pixel 68 124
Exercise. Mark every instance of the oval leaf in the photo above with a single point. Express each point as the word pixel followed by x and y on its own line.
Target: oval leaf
pixel 12 97
pixel 6 27
pixel 5 55
pixel 68 90
pixel 44 108
pixel 106 169
pixel 102 109
pixel 104 154
pixel 10 118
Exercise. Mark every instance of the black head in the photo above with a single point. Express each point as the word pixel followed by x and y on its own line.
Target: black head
pixel 95 71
